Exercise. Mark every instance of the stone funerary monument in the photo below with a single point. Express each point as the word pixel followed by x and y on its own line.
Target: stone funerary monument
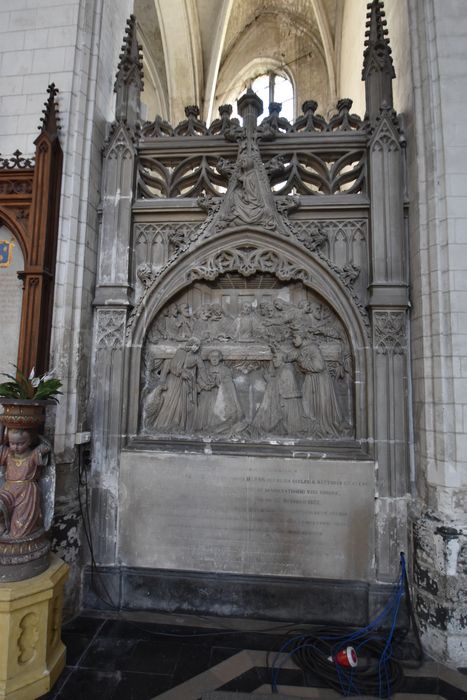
pixel 250 368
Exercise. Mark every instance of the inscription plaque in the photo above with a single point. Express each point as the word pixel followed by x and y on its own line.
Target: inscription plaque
pixel 270 516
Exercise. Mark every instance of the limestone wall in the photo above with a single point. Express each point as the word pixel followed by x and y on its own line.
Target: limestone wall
pixel 438 169
pixel 429 52
pixel 74 43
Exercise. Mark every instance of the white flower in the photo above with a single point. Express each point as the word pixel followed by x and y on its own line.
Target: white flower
pixel 35 382
pixel 32 374
pixel 49 375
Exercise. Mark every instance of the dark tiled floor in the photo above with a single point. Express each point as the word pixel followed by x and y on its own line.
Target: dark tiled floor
pixel 118 659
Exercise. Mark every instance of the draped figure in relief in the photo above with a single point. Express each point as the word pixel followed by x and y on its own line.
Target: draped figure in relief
pixel 281 409
pixel 319 398
pixel 219 410
pixel 172 405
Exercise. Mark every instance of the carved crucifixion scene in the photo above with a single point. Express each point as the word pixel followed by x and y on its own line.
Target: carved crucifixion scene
pixel 247 358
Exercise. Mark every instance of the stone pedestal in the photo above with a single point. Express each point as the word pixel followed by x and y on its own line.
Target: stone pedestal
pixel 32 654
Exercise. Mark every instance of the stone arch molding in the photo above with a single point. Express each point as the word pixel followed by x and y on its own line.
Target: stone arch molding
pixel 248 252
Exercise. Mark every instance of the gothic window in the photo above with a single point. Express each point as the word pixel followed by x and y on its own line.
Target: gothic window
pixel 272 86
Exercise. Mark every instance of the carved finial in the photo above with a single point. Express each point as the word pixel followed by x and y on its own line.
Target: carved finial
pixel 224 123
pixel 275 121
pixel 250 106
pixel 50 121
pixel 310 121
pixel 129 78
pixel 378 69
pixel 130 65
pixel 192 125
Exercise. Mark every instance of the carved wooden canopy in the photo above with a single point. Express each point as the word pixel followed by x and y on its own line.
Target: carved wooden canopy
pixel 29 208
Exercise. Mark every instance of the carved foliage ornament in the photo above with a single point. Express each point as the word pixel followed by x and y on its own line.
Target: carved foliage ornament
pixel 247 261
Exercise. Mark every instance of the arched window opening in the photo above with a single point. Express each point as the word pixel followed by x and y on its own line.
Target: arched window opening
pixel 270 86
pixel 274 87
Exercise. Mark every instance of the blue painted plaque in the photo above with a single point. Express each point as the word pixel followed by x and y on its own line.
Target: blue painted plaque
pixel 6 250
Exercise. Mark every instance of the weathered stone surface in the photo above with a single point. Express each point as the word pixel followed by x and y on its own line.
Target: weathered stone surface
pixel 440 579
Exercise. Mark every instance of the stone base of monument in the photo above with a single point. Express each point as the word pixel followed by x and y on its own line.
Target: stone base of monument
pixel 32 655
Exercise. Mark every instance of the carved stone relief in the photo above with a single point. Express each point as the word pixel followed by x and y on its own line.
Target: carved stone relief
pixel 28 638
pixel 247 358
pixel 389 330
pixel 342 243
pixel 155 244
pixel 110 329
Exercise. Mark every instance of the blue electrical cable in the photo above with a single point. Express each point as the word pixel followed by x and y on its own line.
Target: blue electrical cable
pixel 312 651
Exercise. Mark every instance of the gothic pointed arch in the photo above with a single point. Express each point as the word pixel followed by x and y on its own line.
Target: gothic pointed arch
pixel 243 263
pixel 247 250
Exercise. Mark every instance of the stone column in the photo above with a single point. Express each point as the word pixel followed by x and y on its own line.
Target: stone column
pixel 388 297
pixel 113 297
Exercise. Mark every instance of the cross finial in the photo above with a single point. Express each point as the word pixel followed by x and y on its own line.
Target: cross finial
pixel 50 120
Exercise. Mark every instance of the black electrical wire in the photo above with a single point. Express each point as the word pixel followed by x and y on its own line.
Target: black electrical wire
pixel 418 661
pixel 308 653
pixel 379 671
pixel 314 652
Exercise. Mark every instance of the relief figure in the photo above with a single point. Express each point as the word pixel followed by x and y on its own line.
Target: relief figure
pixel 276 362
pixel 184 322
pixel 247 205
pixel 246 324
pixel 219 410
pixel 201 322
pixel 171 407
pixel 319 398
pixel 171 323
pixel 281 410
pixel 158 330
pixel 220 325
pixel 274 326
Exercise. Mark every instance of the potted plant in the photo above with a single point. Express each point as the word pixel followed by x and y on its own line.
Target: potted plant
pixel 24 398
